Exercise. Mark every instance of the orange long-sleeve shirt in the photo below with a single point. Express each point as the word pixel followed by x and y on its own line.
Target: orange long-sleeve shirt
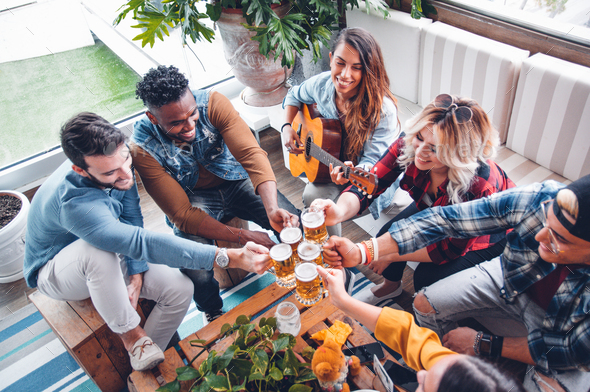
pixel 167 192
pixel 420 347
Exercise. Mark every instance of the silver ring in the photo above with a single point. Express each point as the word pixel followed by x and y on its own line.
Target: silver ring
pixel 288 148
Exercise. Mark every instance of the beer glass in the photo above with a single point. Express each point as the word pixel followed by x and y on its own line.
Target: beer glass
pixel 309 291
pixel 284 265
pixel 288 318
pixel 310 252
pixel 314 225
pixel 292 236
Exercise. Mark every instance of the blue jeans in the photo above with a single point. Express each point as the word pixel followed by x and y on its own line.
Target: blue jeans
pixel 476 293
pixel 222 203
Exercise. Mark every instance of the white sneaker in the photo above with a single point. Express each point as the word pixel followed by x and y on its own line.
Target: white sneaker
pixel 145 354
pixel 368 297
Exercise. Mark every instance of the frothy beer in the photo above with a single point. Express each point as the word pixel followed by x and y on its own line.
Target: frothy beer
pixel 284 265
pixel 309 291
pixel 314 226
pixel 292 236
pixel 310 252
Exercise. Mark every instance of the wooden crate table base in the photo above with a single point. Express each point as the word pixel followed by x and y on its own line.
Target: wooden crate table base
pixel 97 349
pixel 313 319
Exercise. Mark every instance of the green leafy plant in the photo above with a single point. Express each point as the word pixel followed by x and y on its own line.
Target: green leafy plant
pixel 257 361
pixel 307 25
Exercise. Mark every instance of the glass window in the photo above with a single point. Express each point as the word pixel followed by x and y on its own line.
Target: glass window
pixel 566 19
pixel 41 93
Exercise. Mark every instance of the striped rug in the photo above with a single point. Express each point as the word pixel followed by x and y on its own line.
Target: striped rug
pixel 33 359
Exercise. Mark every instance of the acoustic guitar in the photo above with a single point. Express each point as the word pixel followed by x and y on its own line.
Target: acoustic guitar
pixel 321 140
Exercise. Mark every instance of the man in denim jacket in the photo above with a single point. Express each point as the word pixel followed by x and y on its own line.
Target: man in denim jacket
pixel 201 164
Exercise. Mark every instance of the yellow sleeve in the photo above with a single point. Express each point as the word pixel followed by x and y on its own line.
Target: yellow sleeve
pixel 420 347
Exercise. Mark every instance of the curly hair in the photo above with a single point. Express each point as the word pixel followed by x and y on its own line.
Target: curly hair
pixel 460 147
pixel 473 374
pixel 87 134
pixel 364 112
pixel 161 86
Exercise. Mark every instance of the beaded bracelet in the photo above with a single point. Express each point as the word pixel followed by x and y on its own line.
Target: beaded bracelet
pixel 370 249
pixel 477 342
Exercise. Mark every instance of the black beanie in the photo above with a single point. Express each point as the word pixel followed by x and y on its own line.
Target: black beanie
pixel 581 228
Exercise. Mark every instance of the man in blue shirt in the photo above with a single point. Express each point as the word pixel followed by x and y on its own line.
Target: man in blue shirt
pixel 535 298
pixel 86 215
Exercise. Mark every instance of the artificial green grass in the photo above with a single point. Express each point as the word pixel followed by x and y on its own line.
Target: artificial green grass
pixel 40 94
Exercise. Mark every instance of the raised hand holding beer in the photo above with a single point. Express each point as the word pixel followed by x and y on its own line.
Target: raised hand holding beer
pixel 252 257
pixel 333 212
pixel 341 252
pixel 314 225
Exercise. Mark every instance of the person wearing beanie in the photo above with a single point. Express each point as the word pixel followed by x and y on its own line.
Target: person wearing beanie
pixel 534 298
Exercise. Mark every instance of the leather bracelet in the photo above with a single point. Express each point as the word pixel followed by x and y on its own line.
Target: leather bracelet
pixel 497 343
pixel 485 345
pixel 283 126
pixel 477 342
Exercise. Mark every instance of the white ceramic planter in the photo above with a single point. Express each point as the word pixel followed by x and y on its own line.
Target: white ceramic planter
pixel 12 242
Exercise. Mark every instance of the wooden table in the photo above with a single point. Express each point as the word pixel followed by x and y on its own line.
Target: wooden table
pixel 313 319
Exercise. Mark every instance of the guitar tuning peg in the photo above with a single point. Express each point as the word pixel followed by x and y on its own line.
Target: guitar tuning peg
pixel 370 196
pixel 364 193
pixel 365 188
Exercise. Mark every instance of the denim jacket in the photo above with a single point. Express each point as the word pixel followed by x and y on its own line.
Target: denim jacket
pixel 319 89
pixel 208 149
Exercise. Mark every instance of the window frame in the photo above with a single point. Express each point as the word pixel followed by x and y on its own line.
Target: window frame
pixel 508 33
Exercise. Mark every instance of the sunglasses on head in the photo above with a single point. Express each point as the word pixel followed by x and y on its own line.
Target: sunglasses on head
pixel 463 114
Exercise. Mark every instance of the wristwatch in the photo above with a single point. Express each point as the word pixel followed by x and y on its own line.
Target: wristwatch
pixel 221 259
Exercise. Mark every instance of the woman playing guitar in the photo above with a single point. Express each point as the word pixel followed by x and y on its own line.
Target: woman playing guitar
pixel 356 92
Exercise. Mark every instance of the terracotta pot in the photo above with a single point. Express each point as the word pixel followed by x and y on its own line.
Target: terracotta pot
pixel 12 242
pixel 265 79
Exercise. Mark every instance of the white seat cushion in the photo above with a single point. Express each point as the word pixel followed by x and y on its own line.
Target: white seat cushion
pixel 551 113
pixel 461 63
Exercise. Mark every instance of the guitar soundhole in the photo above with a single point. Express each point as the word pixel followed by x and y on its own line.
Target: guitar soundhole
pixel 308 143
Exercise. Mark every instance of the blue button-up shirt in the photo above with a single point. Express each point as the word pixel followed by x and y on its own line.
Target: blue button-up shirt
pixel 562 342
pixel 68 207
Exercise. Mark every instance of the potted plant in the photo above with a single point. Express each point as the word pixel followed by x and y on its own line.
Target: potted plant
pixel 260 37
pixel 14 208
pixel 256 361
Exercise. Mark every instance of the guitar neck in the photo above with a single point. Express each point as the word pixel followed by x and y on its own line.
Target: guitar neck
pixel 324 156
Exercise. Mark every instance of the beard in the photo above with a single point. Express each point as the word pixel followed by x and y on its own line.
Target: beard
pixel 112 185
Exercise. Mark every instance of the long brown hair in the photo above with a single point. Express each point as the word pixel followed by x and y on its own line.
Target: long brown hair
pixel 363 113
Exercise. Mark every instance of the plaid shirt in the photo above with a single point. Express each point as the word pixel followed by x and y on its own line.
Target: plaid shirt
pixel 562 342
pixel 488 179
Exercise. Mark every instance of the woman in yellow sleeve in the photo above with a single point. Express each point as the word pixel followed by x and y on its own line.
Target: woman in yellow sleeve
pixel 439 369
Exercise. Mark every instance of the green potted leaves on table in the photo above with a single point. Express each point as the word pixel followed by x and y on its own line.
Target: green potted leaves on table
pixel 258 360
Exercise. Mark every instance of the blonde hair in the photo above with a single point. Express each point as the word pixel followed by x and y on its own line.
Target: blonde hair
pixel 568 202
pixel 460 147
pixel 363 113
